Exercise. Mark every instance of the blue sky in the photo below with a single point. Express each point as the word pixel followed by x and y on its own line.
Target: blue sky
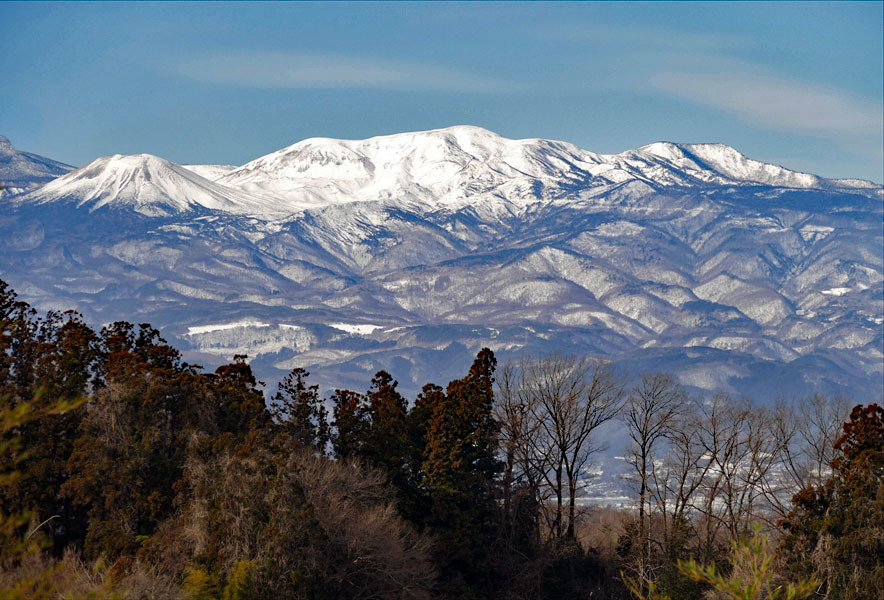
pixel 798 84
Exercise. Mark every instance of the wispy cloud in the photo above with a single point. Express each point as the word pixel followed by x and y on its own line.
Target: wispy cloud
pixel 634 38
pixel 287 70
pixel 774 102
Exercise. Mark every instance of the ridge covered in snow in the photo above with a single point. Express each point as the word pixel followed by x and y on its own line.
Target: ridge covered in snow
pixel 449 168
pixel 721 164
pixel 443 169
pixel 410 252
pixel 21 171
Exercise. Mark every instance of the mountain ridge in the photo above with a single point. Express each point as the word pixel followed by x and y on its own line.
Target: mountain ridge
pixel 442 169
pixel 21 171
pixel 402 251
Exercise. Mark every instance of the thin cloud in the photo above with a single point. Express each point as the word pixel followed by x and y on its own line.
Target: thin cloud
pixel 641 38
pixel 306 71
pixel 776 103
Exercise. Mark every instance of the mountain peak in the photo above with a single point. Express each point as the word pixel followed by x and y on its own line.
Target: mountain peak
pixel 5 145
pixel 147 184
pixel 667 150
pixel 720 163
pixel 439 169
pixel 459 166
pixel 132 162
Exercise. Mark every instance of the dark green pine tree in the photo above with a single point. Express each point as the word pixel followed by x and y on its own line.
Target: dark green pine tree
pixel 351 423
pixel 416 506
pixel 386 446
pixel 300 412
pixel 459 469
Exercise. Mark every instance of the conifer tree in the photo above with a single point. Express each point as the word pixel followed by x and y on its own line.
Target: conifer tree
pixel 459 469
pixel 133 439
pixel 350 413
pixel 416 506
pixel 44 362
pixel 387 442
pixel 835 530
pixel 300 412
pixel 18 329
pixel 459 456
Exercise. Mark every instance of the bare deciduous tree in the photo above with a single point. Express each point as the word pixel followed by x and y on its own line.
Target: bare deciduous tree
pixel 805 431
pixel 304 520
pixel 679 477
pixel 821 422
pixel 518 429
pixel 651 410
pixel 549 409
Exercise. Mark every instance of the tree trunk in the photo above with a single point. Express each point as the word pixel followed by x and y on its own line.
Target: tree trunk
pixel 642 530
pixel 558 523
pixel 508 490
pixel 572 493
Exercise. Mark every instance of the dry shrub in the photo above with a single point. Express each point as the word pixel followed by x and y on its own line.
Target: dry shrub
pixel 40 576
pixel 307 523
pixel 601 528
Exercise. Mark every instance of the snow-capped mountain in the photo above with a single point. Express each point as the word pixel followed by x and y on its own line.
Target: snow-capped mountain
pixel 22 171
pixel 455 167
pixel 147 184
pixel 410 252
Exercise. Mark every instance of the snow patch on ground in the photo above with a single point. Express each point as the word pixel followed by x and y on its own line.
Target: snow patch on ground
pixel 357 328
pixel 838 291
pixel 249 337
pixel 221 327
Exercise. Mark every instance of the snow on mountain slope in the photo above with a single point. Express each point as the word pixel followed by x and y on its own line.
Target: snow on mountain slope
pixel 470 166
pixel 21 171
pixel 439 169
pixel 210 172
pixel 720 164
pixel 429 245
pixel 147 184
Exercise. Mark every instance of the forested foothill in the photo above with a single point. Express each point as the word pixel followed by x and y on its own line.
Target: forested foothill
pixel 127 473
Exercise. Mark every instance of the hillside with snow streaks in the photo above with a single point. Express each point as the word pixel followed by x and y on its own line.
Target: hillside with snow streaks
pixel 412 251
pixel 22 171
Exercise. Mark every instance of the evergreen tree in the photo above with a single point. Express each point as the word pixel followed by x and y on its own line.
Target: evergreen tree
pixel 375 429
pixel 351 422
pixel 836 531
pixel 386 444
pixel 44 362
pixel 459 455
pixel 416 506
pixel 300 412
pixel 459 469
pixel 18 330
pixel 131 442
pixel 237 402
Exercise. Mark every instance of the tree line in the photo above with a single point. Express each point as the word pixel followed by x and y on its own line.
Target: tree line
pixel 127 472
